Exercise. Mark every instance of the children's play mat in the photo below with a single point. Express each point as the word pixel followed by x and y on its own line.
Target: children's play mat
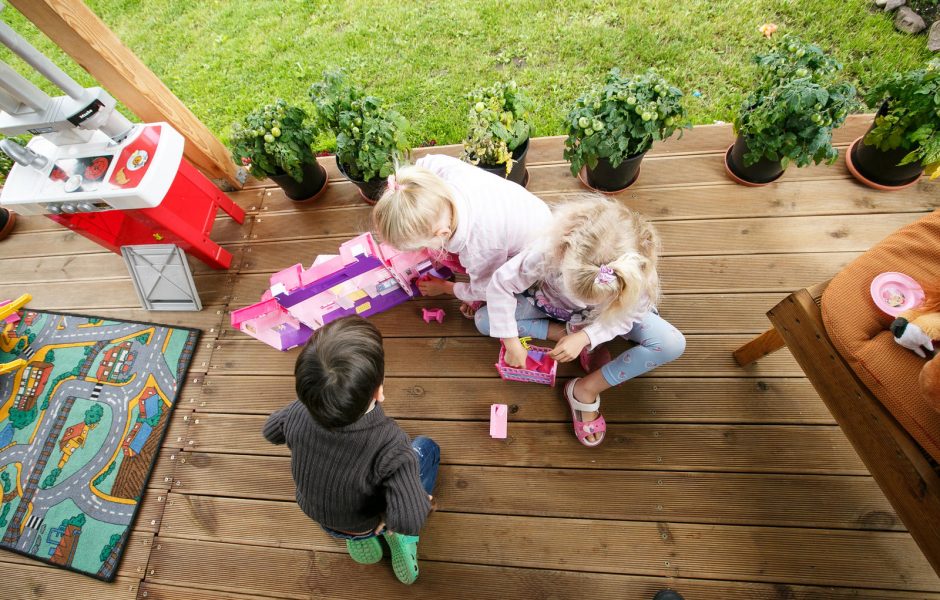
pixel 80 427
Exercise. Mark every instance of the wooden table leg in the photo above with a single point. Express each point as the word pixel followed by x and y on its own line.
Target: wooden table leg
pixel 764 344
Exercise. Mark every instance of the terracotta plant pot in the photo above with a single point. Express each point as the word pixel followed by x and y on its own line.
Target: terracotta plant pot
pixel 518 174
pixel 7 221
pixel 371 190
pixel 313 184
pixel 608 179
pixel 880 170
pixel 760 173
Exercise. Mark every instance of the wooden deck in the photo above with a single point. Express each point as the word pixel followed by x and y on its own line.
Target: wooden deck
pixel 718 481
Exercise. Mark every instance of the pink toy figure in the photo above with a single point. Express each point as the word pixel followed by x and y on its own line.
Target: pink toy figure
pixel 365 278
pixel 499 415
pixel 539 367
pixel 432 314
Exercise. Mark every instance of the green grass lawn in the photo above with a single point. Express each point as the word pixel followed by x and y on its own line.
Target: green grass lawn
pixel 224 57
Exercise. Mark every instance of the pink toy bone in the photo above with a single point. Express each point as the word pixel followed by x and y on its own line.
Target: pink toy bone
pixel 499 414
pixel 432 314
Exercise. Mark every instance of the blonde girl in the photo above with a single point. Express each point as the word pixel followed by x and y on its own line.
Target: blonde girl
pixel 592 279
pixel 472 219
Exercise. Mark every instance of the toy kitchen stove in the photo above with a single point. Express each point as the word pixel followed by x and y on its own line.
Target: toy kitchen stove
pixel 90 169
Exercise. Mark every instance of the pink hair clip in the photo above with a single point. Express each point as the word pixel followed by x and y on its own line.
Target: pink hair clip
pixel 605 275
pixel 393 183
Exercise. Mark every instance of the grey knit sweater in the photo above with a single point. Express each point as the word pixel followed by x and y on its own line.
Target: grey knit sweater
pixel 347 478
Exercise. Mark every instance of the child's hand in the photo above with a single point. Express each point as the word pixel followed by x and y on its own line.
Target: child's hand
pixel 515 352
pixel 569 347
pixel 380 527
pixel 468 309
pixel 432 286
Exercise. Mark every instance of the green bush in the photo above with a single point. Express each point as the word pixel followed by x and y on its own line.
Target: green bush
pixel 913 118
pixel 498 124
pixel 799 100
pixel 622 118
pixel 274 140
pixel 370 137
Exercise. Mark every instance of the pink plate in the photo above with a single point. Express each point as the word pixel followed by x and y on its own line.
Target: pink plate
pixel 894 293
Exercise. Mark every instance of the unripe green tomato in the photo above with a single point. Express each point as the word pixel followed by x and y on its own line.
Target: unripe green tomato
pixel 801 72
pixel 646 116
pixel 792 48
pixel 355 130
pixel 479 107
pixel 631 100
pixel 584 122
pixel 597 105
pixel 800 52
pixel 276 131
pixel 639 110
pixel 268 138
pixel 357 121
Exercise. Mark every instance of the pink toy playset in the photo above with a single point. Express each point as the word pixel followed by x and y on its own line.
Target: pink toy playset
pixel 365 278
pixel 539 367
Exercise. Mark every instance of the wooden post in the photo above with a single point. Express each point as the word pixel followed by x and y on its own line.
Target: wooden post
pixel 84 37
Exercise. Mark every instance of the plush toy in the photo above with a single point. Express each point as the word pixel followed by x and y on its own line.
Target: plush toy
pixel 918 330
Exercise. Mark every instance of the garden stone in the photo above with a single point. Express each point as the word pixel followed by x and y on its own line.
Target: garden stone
pixel 909 21
pixel 933 38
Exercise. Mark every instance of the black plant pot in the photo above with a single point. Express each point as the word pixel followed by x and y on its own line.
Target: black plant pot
pixel 313 184
pixel 518 174
pixel 609 179
pixel 760 173
pixel 370 190
pixel 7 221
pixel 880 170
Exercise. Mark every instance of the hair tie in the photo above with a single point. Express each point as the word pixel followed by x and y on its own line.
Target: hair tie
pixel 393 183
pixel 604 275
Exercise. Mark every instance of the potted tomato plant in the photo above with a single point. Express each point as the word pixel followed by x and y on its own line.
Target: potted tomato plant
pixel 370 137
pixel 498 136
pixel 790 116
pixel 904 140
pixel 275 142
pixel 611 127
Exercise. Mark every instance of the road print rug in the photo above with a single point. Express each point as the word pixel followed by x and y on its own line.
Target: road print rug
pixel 80 428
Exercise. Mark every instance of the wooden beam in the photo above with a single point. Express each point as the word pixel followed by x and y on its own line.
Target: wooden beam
pixel 84 37
pixel 764 344
pixel 893 457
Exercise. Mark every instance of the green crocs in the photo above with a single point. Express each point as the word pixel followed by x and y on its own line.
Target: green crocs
pixel 404 556
pixel 365 552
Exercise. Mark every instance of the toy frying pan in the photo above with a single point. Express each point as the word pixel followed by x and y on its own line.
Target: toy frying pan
pixel 894 293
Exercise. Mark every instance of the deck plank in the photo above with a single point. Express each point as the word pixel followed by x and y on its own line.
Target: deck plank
pixel 775 554
pixel 726 448
pixel 705 356
pixel 716 498
pixel 650 399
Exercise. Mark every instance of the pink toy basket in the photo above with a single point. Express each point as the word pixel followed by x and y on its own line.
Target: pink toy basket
pixel 539 367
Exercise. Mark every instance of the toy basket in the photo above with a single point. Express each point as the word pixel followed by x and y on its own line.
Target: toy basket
pixel 539 367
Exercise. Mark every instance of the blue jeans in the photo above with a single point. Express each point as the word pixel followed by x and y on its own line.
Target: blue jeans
pixel 429 460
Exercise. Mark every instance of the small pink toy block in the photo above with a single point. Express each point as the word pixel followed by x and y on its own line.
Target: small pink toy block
pixel 539 368
pixel 499 415
pixel 432 314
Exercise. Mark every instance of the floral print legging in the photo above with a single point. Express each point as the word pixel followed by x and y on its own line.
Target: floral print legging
pixel 657 341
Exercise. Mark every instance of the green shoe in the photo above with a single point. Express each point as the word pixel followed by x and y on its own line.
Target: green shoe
pixel 404 556
pixel 365 552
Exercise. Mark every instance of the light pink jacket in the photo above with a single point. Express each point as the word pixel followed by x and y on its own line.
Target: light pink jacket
pixel 495 220
pixel 526 270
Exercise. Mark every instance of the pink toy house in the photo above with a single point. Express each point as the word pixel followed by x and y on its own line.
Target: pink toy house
pixel 365 278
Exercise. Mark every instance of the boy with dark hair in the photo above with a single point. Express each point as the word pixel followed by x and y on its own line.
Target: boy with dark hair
pixel 356 473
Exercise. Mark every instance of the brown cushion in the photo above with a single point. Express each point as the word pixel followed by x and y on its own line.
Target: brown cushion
pixel 859 331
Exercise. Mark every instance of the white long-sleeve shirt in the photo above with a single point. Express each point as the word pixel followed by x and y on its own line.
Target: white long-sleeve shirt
pixel 495 218
pixel 526 271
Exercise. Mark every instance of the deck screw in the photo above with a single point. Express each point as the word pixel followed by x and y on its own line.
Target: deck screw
pixel 153 521
pixel 655 434
pixel 159 546
pixel 659 459
pixel 659 482
pixel 667 563
pixel 659 507
pixel 182 461
pixel 665 536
